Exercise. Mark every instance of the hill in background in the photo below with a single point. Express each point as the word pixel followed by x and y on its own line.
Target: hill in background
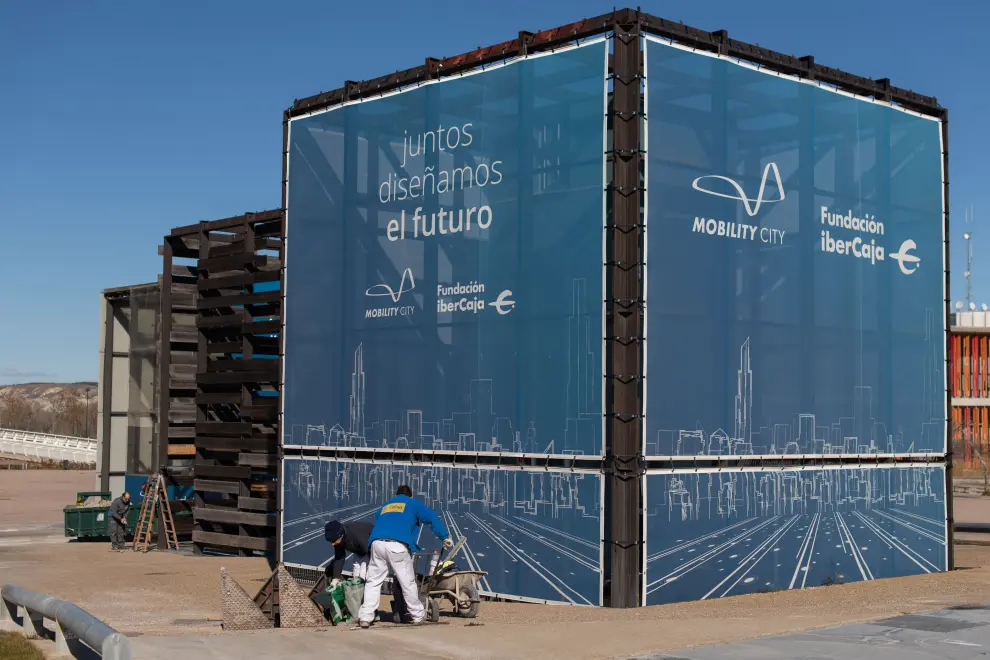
pixel 59 408
pixel 45 393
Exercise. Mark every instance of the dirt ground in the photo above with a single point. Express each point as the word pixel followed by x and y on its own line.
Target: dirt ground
pixel 164 593
pixel 971 509
pixel 35 498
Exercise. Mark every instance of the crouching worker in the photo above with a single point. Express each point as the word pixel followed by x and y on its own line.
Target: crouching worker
pixel 347 538
pixel 393 540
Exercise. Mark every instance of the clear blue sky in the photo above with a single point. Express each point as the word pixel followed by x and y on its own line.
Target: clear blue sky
pixel 119 121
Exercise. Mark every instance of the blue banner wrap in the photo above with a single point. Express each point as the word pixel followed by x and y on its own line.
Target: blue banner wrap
pixel 444 292
pixel 795 267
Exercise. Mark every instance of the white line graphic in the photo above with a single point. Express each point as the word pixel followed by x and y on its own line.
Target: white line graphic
pixel 860 431
pixel 752 206
pixel 385 290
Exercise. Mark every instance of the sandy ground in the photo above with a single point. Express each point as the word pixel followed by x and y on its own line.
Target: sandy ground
pixel 164 593
pixel 35 498
pixel 971 509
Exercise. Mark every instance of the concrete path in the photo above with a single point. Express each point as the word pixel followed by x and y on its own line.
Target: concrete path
pixel 416 644
pixel 956 634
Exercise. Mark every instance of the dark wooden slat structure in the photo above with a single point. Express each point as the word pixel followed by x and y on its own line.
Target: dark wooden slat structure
pixel 219 419
pixel 177 400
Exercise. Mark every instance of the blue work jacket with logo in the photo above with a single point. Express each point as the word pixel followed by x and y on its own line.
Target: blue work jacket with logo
pixel 400 520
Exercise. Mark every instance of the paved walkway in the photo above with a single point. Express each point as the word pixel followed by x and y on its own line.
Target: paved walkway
pixel 956 634
pixel 341 642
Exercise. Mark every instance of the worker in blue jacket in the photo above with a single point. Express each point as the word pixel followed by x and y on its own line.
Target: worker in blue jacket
pixel 393 540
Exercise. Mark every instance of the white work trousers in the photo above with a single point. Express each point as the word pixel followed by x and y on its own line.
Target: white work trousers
pixel 385 556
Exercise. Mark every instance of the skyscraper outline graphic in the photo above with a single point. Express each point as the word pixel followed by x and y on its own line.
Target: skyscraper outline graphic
pixel 581 420
pixel 843 437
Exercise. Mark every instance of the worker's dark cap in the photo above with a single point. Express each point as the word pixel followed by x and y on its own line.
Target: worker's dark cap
pixel 334 531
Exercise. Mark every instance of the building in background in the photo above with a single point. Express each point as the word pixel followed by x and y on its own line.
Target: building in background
pixel 969 385
pixel 127 437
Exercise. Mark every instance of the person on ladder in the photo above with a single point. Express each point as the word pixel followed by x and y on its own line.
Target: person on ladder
pixel 393 540
pixel 117 525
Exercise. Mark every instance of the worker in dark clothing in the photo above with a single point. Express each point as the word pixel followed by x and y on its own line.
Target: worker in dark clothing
pixel 117 524
pixel 347 538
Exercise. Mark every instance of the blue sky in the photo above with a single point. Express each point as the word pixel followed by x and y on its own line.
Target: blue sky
pixel 119 121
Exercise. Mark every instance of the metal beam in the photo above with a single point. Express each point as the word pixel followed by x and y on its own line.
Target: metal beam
pixel 107 394
pixel 950 514
pixel 624 328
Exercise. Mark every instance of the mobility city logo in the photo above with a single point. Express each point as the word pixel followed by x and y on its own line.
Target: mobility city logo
pixel 865 228
pixel 406 284
pixel 741 230
pixel 455 298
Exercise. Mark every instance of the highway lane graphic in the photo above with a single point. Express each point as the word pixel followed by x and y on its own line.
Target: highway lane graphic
pixel 804 528
pixel 536 533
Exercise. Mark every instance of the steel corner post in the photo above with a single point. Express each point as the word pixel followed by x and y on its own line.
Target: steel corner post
pixel 950 518
pixel 624 328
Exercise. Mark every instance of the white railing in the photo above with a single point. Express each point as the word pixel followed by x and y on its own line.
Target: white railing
pixel 43 446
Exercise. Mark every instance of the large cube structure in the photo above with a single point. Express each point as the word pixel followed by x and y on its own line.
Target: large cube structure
pixel 645 313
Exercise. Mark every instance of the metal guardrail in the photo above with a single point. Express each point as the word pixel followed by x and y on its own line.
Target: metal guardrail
pixel 44 446
pixel 29 610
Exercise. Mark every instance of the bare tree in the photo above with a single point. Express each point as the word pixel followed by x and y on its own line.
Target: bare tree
pixel 68 414
pixel 61 410
pixel 65 413
pixel 16 412
pixel 92 417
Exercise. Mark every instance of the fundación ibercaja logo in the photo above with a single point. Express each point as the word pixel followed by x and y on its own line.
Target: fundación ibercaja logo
pixel 451 298
pixel 842 234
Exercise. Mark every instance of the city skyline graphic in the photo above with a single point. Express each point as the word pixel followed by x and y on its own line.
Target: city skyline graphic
pixel 719 534
pixel 482 428
pixel 536 533
pixel 859 433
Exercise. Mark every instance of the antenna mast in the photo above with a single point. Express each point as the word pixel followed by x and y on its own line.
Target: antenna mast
pixel 968 236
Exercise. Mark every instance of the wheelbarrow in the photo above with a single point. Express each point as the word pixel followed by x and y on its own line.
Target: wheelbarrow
pixel 459 588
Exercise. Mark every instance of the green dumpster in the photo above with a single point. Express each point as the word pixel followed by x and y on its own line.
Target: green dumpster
pixel 86 522
pixel 90 522
pixel 87 518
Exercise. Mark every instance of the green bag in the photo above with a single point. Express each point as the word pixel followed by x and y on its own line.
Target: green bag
pixel 333 604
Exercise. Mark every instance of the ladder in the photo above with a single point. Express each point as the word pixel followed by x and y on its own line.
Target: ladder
pixel 155 501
